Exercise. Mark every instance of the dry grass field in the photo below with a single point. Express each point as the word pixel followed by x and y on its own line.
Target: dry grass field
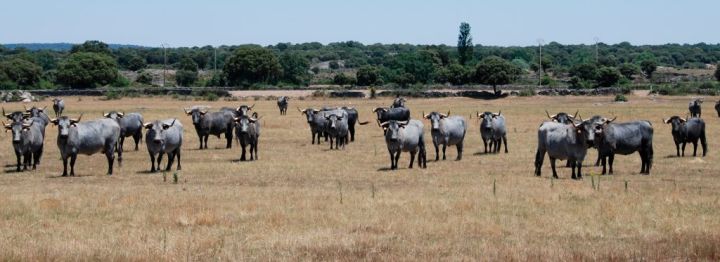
pixel 303 202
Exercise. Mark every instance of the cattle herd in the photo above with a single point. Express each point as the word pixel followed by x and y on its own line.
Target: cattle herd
pixel 564 136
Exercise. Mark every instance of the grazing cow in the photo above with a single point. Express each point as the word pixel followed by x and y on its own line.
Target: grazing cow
pixel 16 116
pixel 694 107
pixel 690 130
pixel 447 131
pixel 562 117
pixel 40 113
pixel 215 123
pixel 385 114
pixel 563 141
pixel 398 102
pixel 336 126
pixel 624 139
pixel 130 125
pixel 316 120
pixel 58 106
pixel 164 137
pixel 282 104
pixel 405 136
pixel 493 131
pixel 27 140
pixel 353 118
pixel 247 131
pixel 87 138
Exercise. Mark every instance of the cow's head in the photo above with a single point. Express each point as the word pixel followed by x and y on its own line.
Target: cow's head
pixel 380 111
pixel 399 102
pixel 309 113
pixel 594 128
pixel 64 124
pixel 332 120
pixel 244 109
pixel 562 117
pixel 156 131
pixel 17 129
pixel 35 111
pixel 488 119
pixel 114 115
pixel 16 116
pixel 243 123
pixel 435 118
pixel 57 100
pixel 676 122
pixel 196 114
pixel 392 129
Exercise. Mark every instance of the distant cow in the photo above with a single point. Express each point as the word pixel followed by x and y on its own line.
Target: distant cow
pixel 164 137
pixel 398 102
pixel 336 126
pixel 87 138
pixel 282 104
pixel 690 130
pixel 27 141
pixel 405 136
pixel 247 131
pixel 493 131
pixel 130 125
pixel 353 118
pixel 215 123
pixel 694 107
pixel 58 106
pixel 562 117
pixel 563 141
pixel 316 120
pixel 16 116
pixel 624 139
pixel 447 131
pixel 385 114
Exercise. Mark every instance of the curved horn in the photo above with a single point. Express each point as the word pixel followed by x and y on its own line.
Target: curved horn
pixel 6 125
pixel 403 123
pixel 106 115
pixel 43 109
pixel 609 121
pixel 576 113
pixel 121 114
pixel 549 116
pixel 186 111
pixel 424 115
pixel 383 124
pixel 76 120
pixel 499 112
pixel 667 121
pixel 149 125
pixel 251 107
pixel 681 119
pixel 379 108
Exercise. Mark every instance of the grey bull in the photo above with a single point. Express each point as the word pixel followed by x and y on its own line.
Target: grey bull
pixel 164 137
pixel 282 104
pixel 87 138
pixel 563 141
pixel 247 131
pixel 336 126
pixel 690 130
pixel 215 123
pixel 447 131
pixel 493 131
pixel 624 138
pixel 316 121
pixel 15 116
pixel 131 125
pixel 39 113
pixel 27 141
pixel 405 136
pixel 58 106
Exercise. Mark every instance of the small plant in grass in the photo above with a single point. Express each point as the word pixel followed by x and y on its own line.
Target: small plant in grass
pixel 211 97
pixel 175 177
pixel 620 98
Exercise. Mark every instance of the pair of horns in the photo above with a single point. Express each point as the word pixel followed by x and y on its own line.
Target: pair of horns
pixel 667 121
pixel 400 123
pixel 380 108
pixel 441 114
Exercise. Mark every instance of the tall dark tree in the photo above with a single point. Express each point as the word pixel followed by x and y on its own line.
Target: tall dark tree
pixel 294 68
pixel 367 75
pixel 607 76
pixel 92 46
pixel 465 44
pixel 648 67
pixel 187 72
pixel 717 72
pixel 628 70
pixel 252 64
pixel 496 71
pixel 22 72
pixel 87 70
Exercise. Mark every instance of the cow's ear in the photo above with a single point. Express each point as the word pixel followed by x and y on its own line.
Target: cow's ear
pixel 148 125
pixel 54 121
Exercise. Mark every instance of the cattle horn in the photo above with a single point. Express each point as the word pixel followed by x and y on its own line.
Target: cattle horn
pixel 251 107
pixel 149 125
pixel 28 124
pixel 7 126
pixel 576 113
pixel 105 115
pixel 667 121
pixel 120 114
pixel 383 124
pixel 379 108
pixel 403 123
pixel 549 116
pixel 682 119
pixel 499 112
pixel 252 119
pixel 425 116
pixel 73 121
pixel 186 111
pixel 203 111
pixel 609 121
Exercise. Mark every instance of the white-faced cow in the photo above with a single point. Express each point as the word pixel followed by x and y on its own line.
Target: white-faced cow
pixel 493 131
pixel 690 130
pixel 131 125
pixel 405 136
pixel 624 138
pixel 282 104
pixel 164 137
pixel 247 131
pixel 58 106
pixel 215 123
pixel 27 141
pixel 87 138
pixel 447 131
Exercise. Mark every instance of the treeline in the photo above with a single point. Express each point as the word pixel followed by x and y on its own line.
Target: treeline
pixel 94 64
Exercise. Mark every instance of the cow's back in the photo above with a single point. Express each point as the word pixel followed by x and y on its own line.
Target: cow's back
pixel 626 138
pixel 92 136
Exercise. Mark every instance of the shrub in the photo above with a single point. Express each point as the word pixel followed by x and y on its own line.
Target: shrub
pixel 620 98
pixel 144 77
pixel 211 96
pixel 527 92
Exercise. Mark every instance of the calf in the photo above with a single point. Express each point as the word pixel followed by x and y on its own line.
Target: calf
pixel 87 138
pixel 164 137
pixel 130 125
pixel 27 141
pixel 624 139
pixel 563 141
pixel 282 104
pixel 405 136
pixel 58 106
pixel 694 107
pixel 247 131
pixel 215 123
pixel 336 126
pixel 690 130
pixel 493 131
pixel 447 131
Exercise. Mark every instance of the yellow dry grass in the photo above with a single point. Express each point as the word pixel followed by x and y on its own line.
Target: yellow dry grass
pixel 287 205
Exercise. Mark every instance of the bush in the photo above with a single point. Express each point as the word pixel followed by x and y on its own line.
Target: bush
pixel 112 95
pixel 620 98
pixel 373 92
pixel 120 81
pixel 211 97
pixel 334 65
pixel 527 92
pixel 144 77
pixel 186 77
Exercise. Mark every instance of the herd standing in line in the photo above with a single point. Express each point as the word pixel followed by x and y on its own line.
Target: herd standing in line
pixel 564 137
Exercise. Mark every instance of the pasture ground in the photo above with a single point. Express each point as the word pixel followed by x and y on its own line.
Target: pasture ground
pixel 304 202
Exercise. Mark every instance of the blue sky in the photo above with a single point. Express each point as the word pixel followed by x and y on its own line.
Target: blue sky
pixel 511 22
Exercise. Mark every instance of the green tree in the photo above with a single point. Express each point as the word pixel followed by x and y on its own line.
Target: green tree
pixel 458 74
pixel 628 70
pixel 135 63
pixel 92 46
pixel 648 67
pixel 20 71
pixel 465 45
pixel 334 65
pixel 87 70
pixel 251 64
pixel 144 77
pixel 607 76
pixel 584 71
pixel 342 79
pixel 367 75
pixel 717 72
pixel 187 72
pixel 294 68
pixel 496 71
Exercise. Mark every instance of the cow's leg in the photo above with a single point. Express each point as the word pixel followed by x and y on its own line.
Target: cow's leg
pixel 26 160
pixel 485 144
pixel 539 158
pixel 73 157
pixel 65 164
pixel 444 148
pixel 437 150
pixel 412 158
pixel 397 158
pixel 677 148
pixel 695 148
pixel 611 159
pixel 459 151
pixel 392 159
pixel 205 138
pixel 119 152
pixel 18 156
pixel 229 136
pixel 683 148
pixel 242 155
pixel 159 159
pixel 152 161
pixel 121 142
pixel 552 165
pixel 256 149
pixel 171 158
pixel 643 161
pixel 352 133
pixel 137 137
pixel 177 153
pixel 604 164
pixel 313 137
pixel 39 154
pixel 505 141
pixel 331 142
pixel 111 158
pixel 573 164
pixel 579 169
